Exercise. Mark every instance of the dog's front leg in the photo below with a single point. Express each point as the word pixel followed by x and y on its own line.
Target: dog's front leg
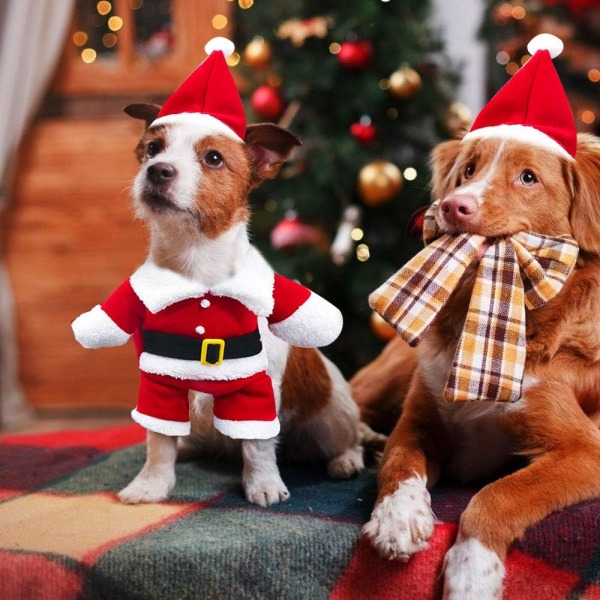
pixel 156 480
pixel 262 482
pixel 565 469
pixel 402 521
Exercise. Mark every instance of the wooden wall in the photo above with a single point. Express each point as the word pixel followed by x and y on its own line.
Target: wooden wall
pixel 70 239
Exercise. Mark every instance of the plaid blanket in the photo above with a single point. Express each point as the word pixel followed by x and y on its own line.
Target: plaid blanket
pixel 64 536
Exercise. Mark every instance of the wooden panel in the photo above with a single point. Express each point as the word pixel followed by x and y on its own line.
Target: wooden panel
pixel 70 239
pixel 132 73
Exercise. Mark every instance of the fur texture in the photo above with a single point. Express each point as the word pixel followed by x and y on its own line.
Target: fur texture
pixel 495 187
pixel 192 192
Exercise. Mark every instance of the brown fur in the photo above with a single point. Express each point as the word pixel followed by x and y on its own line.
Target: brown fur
pixel 556 428
pixel 380 398
pixel 306 386
pixel 192 190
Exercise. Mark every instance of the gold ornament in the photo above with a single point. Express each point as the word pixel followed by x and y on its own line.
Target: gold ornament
pixel 381 328
pixel 258 53
pixel 457 119
pixel 378 182
pixel 404 83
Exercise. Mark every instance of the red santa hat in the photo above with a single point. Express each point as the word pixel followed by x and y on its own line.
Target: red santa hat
pixel 532 106
pixel 208 99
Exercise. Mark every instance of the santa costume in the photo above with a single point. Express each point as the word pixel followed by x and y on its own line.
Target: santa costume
pixel 193 337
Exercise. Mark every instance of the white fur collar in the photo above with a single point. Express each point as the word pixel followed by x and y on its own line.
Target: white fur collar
pixel 252 284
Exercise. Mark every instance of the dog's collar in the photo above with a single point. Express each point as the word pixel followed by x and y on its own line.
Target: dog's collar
pixel 252 284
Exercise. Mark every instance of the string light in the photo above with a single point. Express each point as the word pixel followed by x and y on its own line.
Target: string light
pixel 115 23
pixel 80 38
pixel 410 173
pixel 384 84
pixel 219 22
pixel 109 40
pixel 103 7
pixel 233 59
pixel 136 4
pixel 245 4
pixel 503 57
pixel 357 234
pixel 594 75
pixel 363 253
pixel 518 12
pixel 506 10
pixel 525 58
pixel 512 68
pixel 587 116
pixel 88 55
pixel 334 48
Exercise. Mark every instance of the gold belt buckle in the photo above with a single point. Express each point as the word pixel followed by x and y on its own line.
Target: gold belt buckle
pixel 204 350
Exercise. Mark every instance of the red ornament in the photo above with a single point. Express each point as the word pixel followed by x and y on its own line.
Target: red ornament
pixel 356 55
pixel 577 8
pixel 292 232
pixel 364 132
pixel 417 223
pixel 267 103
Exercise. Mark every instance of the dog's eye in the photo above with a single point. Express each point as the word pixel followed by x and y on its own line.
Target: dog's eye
pixel 153 149
pixel 213 159
pixel 528 177
pixel 470 170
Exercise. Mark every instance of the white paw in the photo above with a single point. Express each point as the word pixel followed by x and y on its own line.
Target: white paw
pixel 347 464
pixel 145 490
pixel 472 572
pixel 265 489
pixel 402 523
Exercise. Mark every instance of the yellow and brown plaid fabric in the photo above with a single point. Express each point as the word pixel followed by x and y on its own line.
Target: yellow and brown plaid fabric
pixel 525 270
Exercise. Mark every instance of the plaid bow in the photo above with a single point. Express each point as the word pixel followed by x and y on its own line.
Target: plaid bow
pixel 525 270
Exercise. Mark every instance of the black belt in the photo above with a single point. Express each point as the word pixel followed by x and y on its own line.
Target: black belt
pixel 209 351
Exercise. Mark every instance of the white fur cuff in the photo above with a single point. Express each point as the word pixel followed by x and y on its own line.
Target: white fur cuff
pixel 95 329
pixel 316 323
pixel 248 430
pixel 161 425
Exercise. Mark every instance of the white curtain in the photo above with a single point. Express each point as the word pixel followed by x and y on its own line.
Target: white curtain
pixel 32 34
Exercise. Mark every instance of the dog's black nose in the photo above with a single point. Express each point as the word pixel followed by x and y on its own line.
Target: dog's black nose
pixel 161 172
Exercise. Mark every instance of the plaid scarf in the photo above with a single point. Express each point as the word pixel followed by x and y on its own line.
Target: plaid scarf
pixel 525 270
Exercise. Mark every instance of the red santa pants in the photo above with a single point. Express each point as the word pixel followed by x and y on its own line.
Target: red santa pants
pixel 241 406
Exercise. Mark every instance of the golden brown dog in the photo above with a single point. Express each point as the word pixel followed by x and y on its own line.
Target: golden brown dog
pixel 495 187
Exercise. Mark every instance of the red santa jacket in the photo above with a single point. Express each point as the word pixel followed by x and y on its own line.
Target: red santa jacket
pixel 159 300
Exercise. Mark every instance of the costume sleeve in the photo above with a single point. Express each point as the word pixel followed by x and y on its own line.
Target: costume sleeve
pixel 113 322
pixel 301 317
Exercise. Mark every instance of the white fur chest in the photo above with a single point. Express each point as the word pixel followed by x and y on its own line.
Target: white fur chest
pixel 480 445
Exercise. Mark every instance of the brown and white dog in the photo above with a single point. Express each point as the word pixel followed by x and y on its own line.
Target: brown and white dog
pixel 192 192
pixel 495 187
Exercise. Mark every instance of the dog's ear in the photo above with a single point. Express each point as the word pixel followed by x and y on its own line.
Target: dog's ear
pixel 145 112
pixel 443 157
pixel 585 209
pixel 269 146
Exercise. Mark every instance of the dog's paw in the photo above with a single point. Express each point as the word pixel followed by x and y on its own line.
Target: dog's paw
pixel 146 490
pixel 472 572
pixel 347 464
pixel 402 523
pixel 265 490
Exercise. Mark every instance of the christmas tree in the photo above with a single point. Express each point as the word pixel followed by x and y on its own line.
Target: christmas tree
pixel 509 26
pixel 368 89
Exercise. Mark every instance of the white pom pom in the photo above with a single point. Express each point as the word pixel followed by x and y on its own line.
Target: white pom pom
pixel 220 43
pixel 546 41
